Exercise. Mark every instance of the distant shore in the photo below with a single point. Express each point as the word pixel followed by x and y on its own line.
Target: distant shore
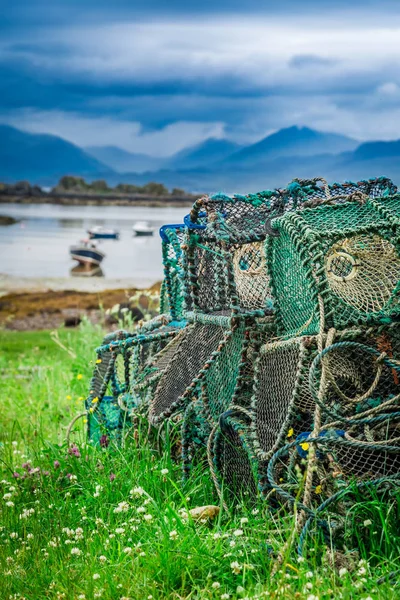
pixel 46 303
pixel 109 199
pixel 14 284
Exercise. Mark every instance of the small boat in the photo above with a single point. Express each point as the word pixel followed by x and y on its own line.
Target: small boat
pixel 86 253
pixel 100 232
pixel 143 228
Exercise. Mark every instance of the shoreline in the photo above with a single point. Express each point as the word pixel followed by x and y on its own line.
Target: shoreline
pixel 68 199
pixel 39 304
pixel 10 284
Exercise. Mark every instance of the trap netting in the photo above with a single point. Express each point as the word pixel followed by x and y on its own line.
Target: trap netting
pixel 172 292
pixel 126 371
pixel 280 348
pixel 347 253
pixel 225 248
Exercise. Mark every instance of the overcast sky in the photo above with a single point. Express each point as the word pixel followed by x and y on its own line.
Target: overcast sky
pixel 154 77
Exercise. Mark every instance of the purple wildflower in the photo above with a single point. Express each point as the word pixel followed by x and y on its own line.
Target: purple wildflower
pixel 104 441
pixel 16 475
pixel 112 476
pixel 74 451
pixel 56 464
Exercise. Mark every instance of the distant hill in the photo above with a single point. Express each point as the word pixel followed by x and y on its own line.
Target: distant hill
pixel 377 150
pixel 207 153
pixel 43 159
pixel 292 141
pixel 212 166
pixel 123 161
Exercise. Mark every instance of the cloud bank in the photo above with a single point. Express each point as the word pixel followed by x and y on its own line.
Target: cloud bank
pixel 154 82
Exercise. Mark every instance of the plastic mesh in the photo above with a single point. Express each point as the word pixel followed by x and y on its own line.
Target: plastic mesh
pixel 291 308
pixel 363 271
pixel 220 379
pixel 276 389
pixel 250 275
pixel 195 348
pixel 233 466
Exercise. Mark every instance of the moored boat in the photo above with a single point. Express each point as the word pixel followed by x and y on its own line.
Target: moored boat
pixel 142 228
pixel 100 232
pixel 86 253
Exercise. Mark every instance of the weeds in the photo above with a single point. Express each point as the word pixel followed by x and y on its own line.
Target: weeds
pixel 81 523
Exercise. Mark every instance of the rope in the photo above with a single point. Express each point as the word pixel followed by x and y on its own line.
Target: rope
pixel 72 423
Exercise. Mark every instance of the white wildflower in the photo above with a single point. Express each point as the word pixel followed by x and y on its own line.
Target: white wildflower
pixel 122 507
pixel 309 585
pixel 238 532
pixel 120 530
pixel 342 572
pixel 96 576
pixel 216 585
pixel 236 567
pixel 102 558
pixel 75 551
pixel 173 534
pixel 147 517
pixel 137 491
pixel 309 574
pixel 127 550
pixel 164 471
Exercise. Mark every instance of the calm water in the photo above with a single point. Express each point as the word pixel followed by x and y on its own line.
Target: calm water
pixel 38 246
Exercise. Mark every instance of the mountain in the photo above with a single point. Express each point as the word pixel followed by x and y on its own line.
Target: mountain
pixel 123 161
pixel 377 150
pixel 292 141
pixel 206 153
pixel 43 159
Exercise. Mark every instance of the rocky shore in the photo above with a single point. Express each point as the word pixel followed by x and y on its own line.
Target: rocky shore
pixel 50 309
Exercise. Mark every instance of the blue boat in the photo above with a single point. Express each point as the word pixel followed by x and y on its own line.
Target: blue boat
pixel 99 232
pixel 86 253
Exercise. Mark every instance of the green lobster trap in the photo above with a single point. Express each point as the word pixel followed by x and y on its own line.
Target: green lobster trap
pixel 278 350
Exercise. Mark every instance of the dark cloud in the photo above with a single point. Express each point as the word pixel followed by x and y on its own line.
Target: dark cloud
pixel 61 56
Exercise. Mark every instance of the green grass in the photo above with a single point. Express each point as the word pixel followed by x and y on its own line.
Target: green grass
pixel 73 526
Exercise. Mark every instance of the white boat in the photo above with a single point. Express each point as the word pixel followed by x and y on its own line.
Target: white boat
pixel 142 228
pixel 86 253
pixel 100 232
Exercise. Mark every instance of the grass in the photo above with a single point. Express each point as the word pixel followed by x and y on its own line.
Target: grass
pixel 87 523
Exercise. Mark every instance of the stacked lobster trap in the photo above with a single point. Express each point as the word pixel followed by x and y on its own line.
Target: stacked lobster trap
pixel 278 344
